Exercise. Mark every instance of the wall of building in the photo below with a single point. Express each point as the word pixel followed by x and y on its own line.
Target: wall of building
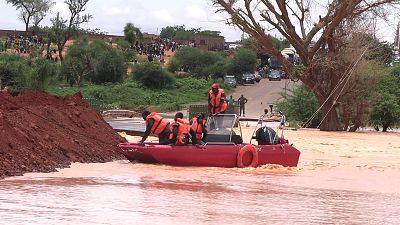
pixel 210 43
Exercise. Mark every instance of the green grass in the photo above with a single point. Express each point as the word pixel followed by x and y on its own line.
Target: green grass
pixel 132 95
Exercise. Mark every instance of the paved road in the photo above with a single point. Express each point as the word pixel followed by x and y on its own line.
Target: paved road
pixel 260 95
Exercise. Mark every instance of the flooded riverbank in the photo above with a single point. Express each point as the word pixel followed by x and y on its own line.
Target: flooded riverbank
pixel 342 178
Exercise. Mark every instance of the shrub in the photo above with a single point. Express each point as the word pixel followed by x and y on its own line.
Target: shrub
pixel 244 61
pixel 196 61
pixel 43 71
pixel 386 110
pixel 14 71
pixel 299 105
pixel 96 62
pixel 153 76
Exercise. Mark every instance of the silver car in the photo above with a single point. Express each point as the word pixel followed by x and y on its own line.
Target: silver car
pixel 230 81
pixel 274 75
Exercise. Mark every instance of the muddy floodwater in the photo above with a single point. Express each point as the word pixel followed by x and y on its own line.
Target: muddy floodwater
pixel 342 178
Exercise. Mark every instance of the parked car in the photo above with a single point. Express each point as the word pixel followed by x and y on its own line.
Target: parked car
pixel 230 81
pixel 274 75
pixel 257 77
pixel 248 78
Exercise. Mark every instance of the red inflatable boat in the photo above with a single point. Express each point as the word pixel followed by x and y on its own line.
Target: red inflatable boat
pixel 224 148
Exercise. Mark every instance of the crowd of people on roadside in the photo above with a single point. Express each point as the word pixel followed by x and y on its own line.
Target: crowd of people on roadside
pixel 22 43
pixel 156 49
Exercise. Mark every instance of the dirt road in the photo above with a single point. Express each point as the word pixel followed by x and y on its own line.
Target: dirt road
pixel 260 95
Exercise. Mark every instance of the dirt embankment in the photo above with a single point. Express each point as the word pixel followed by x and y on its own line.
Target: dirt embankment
pixel 39 133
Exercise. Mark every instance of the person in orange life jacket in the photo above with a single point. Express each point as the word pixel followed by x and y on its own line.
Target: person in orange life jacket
pixel 179 130
pixel 198 127
pixel 216 100
pixel 156 125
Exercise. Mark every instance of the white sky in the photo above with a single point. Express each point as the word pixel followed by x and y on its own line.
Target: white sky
pixel 151 15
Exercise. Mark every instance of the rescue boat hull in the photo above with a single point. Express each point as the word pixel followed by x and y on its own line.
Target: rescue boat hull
pixel 210 155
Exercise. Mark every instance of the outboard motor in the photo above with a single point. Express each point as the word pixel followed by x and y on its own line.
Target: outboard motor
pixel 267 136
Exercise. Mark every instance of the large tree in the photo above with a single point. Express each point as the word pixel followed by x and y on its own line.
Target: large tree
pixel 32 9
pixel 64 30
pixel 318 40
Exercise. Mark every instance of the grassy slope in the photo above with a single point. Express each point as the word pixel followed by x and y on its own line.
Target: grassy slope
pixel 131 95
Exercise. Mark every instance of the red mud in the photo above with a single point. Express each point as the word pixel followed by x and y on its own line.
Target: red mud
pixel 40 132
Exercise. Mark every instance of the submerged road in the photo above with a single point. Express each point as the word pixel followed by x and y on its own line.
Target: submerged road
pixel 260 95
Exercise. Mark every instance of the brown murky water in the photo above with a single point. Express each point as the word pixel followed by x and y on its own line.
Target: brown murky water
pixel 342 178
pixel 126 193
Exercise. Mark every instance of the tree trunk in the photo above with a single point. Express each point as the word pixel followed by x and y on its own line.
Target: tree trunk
pixel 331 121
pixel 27 24
pixel 48 48
pixel 60 55
pixel 385 127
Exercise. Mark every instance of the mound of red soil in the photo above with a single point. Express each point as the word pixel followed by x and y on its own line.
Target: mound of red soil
pixel 40 132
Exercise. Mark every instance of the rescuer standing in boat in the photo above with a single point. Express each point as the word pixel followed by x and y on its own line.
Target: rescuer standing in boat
pixel 156 125
pixel 199 128
pixel 180 130
pixel 216 100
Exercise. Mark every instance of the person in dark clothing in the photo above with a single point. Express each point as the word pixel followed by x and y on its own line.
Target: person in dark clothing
pixel 242 101
pixel 156 125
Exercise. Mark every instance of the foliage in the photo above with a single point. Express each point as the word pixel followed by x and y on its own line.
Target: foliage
pixel 244 61
pixel 184 35
pixel 14 71
pixel 42 72
pixel 132 34
pixel 210 33
pixel 130 54
pixel 198 62
pixel 152 75
pixel 95 61
pixel 168 32
pixel 381 52
pixel 217 70
pixel 299 105
pixel 386 111
pixel 133 95
pixel 180 33
pixel 21 73
pixel 174 65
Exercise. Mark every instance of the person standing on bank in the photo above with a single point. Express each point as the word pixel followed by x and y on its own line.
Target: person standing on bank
pixel 156 125
pixel 242 102
pixel 216 100
pixel 231 101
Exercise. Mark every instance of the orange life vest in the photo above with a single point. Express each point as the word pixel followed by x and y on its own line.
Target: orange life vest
pixel 159 123
pixel 183 131
pixel 215 102
pixel 198 128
